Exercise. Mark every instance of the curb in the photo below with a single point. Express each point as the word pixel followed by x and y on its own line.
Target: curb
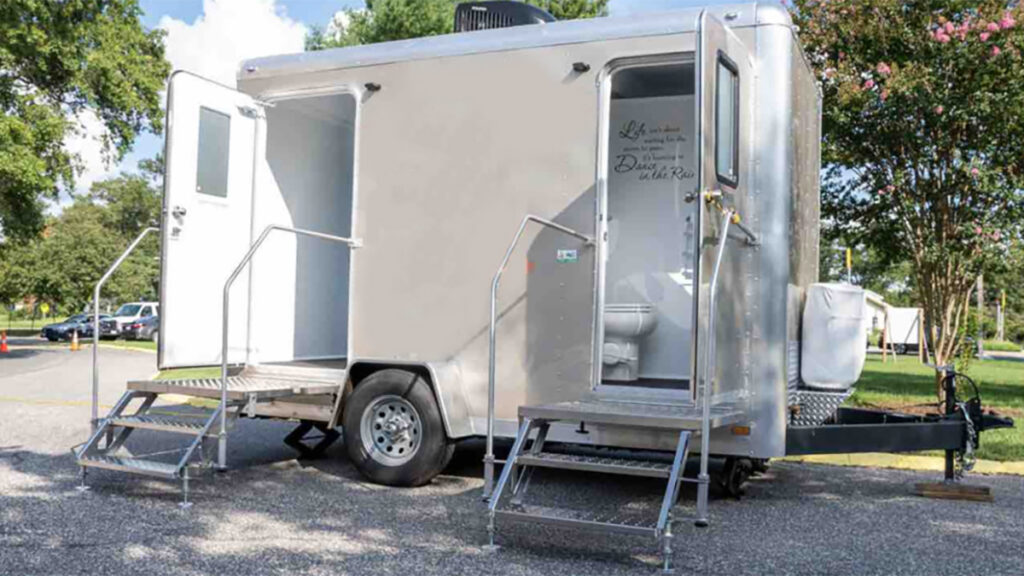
pixel 63 346
pixel 907 462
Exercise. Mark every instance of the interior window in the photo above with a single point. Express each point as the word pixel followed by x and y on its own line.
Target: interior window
pixel 727 126
pixel 146 312
pixel 212 166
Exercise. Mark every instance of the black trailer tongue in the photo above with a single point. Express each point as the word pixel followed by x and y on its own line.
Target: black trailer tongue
pixel 957 430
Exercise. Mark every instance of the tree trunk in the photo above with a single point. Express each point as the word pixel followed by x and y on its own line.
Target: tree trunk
pixel 946 302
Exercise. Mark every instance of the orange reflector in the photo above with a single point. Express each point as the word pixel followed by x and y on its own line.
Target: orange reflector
pixel 741 430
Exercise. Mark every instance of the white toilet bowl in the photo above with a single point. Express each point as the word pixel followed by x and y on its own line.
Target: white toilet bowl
pixel 625 325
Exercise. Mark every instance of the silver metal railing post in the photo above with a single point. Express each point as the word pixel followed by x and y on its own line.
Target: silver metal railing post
pixel 706 374
pixel 492 333
pixel 222 437
pixel 96 323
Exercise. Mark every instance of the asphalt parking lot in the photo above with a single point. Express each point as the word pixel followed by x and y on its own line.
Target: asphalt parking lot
pixel 272 514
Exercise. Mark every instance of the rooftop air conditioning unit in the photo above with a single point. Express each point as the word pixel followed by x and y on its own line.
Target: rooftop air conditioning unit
pixel 470 16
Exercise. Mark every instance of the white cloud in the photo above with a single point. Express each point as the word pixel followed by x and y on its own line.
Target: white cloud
pixel 87 143
pixel 338 24
pixel 227 32
pixel 213 45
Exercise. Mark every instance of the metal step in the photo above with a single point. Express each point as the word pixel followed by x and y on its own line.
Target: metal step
pixel 240 388
pixel 633 414
pixel 165 423
pixel 577 519
pixel 602 464
pixel 132 466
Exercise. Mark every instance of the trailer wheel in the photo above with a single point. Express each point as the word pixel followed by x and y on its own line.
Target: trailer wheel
pixel 393 429
pixel 734 475
pixel 901 349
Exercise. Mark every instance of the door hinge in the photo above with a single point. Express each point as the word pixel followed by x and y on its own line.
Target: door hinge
pixel 254 112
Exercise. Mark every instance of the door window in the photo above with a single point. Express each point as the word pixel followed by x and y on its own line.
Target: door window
pixel 214 142
pixel 727 126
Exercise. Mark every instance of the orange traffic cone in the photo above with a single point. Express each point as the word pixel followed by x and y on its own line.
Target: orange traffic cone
pixel 3 343
pixel 74 342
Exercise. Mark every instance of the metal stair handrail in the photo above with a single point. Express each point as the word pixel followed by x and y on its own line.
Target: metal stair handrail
pixel 94 422
pixel 706 373
pixel 352 243
pixel 588 241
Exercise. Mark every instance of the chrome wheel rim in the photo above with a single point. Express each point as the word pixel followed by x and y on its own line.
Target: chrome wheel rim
pixel 391 430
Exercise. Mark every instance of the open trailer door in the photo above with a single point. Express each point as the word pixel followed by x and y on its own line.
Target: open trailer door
pixel 725 83
pixel 207 217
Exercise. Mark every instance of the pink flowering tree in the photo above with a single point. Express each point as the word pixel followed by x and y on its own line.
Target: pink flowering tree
pixel 923 139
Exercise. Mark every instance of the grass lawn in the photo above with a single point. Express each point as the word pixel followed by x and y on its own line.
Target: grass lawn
pixel 908 383
pixel 28 324
pixel 1000 346
pixel 136 344
pixel 181 373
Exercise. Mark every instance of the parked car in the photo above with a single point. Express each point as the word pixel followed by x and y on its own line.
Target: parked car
pixel 145 329
pixel 63 330
pixel 133 312
pixel 108 328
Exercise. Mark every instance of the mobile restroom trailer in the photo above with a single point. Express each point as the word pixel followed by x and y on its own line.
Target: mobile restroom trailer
pixel 652 182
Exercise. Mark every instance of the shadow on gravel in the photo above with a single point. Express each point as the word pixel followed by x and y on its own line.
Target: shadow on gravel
pixel 274 514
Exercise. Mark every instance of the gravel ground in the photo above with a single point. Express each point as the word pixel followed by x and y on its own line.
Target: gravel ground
pixel 273 514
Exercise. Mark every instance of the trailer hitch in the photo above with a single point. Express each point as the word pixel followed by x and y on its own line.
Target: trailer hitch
pixel 959 462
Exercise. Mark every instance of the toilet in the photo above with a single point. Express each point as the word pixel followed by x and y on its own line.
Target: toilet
pixel 625 326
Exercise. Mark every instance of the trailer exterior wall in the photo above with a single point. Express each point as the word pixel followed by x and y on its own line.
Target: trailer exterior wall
pixel 466 135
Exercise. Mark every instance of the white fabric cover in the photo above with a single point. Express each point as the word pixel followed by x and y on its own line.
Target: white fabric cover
pixel 834 343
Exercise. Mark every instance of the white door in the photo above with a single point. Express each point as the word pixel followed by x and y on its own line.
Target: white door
pixel 212 133
pixel 725 81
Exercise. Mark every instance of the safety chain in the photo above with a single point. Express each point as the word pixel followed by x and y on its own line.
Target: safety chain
pixel 965 458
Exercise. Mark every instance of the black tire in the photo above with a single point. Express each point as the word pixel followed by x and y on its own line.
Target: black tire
pixel 901 349
pixel 434 450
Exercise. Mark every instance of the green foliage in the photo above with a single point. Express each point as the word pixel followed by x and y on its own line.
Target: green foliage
pixel 386 20
pixel 907 383
pixel 922 144
pixel 1001 346
pixel 57 61
pixel 64 264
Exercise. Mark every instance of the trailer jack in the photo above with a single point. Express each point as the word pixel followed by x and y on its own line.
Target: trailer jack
pixel 297 440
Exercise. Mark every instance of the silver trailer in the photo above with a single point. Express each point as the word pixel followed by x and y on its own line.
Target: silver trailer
pixel 333 235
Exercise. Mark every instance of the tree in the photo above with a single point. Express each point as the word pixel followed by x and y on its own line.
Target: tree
pixel 61 61
pixel 76 247
pixel 385 20
pixel 133 201
pixel 923 149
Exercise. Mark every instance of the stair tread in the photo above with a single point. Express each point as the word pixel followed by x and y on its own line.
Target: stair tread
pixel 636 414
pixel 239 388
pixel 191 424
pixel 598 520
pixel 599 463
pixel 132 465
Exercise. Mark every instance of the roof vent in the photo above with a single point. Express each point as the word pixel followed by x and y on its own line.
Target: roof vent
pixel 470 16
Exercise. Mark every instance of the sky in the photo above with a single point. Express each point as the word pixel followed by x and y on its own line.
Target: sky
pixel 210 37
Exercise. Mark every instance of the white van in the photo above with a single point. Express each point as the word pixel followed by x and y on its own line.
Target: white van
pixel 134 311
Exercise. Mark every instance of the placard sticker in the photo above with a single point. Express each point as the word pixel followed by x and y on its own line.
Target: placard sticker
pixel 567 256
